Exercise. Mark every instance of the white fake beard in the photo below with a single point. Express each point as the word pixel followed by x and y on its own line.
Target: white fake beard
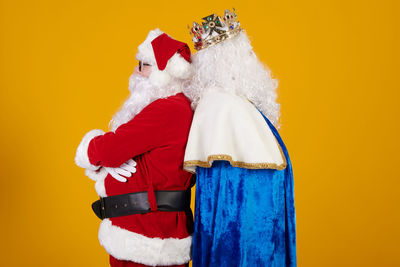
pixel 143 92
pixel 233 66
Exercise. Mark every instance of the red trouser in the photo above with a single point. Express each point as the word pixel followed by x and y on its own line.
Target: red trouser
pixel 121 263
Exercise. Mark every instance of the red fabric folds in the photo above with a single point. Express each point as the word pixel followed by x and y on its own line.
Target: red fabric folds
pixel 165 47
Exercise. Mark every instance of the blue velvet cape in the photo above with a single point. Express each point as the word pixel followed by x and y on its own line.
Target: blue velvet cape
pixel 245 217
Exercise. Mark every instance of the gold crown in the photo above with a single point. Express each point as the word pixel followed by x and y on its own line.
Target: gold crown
pixel 214 29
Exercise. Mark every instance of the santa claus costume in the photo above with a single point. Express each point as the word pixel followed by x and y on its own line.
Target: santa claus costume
pixel 244 211
pixel 151 128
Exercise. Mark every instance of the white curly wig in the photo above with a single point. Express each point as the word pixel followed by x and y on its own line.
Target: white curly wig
pixel 233 66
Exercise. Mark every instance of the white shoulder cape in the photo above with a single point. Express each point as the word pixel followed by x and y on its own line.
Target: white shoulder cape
pixel 228 127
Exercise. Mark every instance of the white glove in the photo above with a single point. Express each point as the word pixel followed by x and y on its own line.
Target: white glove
pixel 126 169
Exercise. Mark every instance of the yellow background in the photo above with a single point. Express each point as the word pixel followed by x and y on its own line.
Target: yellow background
pixel 64 69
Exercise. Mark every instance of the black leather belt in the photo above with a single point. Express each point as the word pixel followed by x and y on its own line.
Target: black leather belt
pixel 138 203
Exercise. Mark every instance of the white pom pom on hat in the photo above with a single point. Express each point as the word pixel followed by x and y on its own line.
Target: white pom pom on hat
pixel 159 78
pixel 168 57
pixel 178 66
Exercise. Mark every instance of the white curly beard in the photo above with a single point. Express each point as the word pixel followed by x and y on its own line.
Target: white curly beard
pixel 143 92
pixel 233 66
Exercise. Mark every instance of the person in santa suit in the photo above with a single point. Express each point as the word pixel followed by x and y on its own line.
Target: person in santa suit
pixel 244 207
pixel 138 165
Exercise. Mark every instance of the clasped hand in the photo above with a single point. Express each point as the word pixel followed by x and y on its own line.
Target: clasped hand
pixel 126 169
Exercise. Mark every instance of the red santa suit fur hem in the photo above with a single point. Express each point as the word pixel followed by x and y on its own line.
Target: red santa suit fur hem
pixel 121 263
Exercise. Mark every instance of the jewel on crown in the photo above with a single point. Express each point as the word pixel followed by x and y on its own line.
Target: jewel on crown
pixel 214 30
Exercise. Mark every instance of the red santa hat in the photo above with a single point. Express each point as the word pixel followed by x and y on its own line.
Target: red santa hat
pixel 169 57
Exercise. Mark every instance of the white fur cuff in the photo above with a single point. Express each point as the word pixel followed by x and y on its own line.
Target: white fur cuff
pixel 99 177
pixel 81 157
pixel 125 245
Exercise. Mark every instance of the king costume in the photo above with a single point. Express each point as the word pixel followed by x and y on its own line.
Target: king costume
pixel 155 138
pixel 244 207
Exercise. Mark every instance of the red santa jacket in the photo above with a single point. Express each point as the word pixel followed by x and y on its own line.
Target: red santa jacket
pixel 156 139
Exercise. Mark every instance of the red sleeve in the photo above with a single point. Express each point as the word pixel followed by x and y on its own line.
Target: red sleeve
pixel 144 132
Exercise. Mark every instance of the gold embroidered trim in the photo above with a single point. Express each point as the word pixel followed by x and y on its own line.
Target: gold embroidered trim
pixel 280 150
pixel 240 164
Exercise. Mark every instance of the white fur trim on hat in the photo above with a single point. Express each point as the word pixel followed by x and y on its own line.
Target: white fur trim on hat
pixel 81 157
pixel 145 49
pixel 178 67
pixel 125 245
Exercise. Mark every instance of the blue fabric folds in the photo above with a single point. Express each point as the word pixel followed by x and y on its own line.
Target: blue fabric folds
pixel 245 217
